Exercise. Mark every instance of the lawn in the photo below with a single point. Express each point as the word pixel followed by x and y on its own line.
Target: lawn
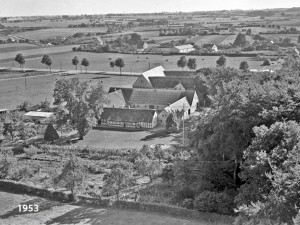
pixel 215 39
pixel 52 212
pixel 113 139
pixel 54 24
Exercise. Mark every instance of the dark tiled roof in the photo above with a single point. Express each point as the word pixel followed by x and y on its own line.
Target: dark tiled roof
pixel 180 73
pixel 208 45
pixel 128 115
pixel 170 82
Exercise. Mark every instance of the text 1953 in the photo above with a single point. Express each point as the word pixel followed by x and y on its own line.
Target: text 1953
pixel 28 208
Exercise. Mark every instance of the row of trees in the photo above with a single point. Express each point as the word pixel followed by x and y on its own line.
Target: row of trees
pixel 191 63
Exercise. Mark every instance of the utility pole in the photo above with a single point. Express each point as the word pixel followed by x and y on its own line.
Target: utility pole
pixel 60 67
pixel 183 127
pixel 25 81
pixel 149 65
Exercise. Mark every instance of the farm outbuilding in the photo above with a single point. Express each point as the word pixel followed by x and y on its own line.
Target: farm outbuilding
pixel 128 118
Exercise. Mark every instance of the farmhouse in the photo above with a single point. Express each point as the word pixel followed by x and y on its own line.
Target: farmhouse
pixel 183 48
pixel 180 105
pixel 130 118
pixel 142 46
pixel 210 47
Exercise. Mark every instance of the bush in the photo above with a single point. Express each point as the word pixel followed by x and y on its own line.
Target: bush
pixel 214 202
pixel 188 203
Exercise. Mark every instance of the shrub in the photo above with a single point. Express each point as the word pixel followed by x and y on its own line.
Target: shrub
pixel 7 163
pixel 188 203
pixel 219 202
pixel 167 174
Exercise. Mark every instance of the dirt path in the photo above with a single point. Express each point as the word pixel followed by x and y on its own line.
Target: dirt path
pixel 52 212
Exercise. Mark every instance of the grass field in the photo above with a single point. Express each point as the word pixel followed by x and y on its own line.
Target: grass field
pixel 52 212
pixel 53 32
pixel 133 63
pixel 6 48
pixel 54 24
pixel 13 91
pixel 8 56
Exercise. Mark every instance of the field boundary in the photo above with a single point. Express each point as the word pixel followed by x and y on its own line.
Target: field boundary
pixel 21 188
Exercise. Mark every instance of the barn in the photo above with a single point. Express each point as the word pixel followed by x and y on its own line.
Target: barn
pixel 128 118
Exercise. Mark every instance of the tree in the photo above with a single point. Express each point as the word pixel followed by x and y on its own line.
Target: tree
pixel 244 66
pixel 266 63
pixel 240 40
pixel 272 170
pixel 11 123
pixel 21 60
pixel 169 121
pixel 148 167
pixel 248 32
pixel 119 177
pixel 119 62
pixel 192 63
pixel 79 103
pixel 75 61
pixel 50 133
pixel 47 61
pixel 182 62
pixel 112 64
pixel 298 39
pixel 287 40
pixel 72 174
pixel 221 61
pixel 85 63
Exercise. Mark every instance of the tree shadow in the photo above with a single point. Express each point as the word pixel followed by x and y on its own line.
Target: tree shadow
pixel 156 134
pixel 43 205
pixel 87 215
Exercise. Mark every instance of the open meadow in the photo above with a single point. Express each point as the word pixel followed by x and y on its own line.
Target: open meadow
pixel 40 86
pixel 133 62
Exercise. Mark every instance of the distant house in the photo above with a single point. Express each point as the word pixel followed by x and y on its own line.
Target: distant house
pixel 210 47
pixel 183 48
pixel 11 40
pixel 143 80
pixel 128 118
pixel 142 46
pixel 99 41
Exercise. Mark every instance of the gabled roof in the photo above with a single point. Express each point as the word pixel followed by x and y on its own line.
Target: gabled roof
pixel 208 45
pixel 155 72
pixel 128 115
pixel 179 47
pixel 170 82
pixel 116 99
pixel 178 105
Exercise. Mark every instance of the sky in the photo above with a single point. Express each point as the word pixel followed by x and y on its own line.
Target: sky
pixel 76 7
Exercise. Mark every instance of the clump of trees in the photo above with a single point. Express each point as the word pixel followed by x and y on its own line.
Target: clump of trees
pixel 47 61
pixel 119 62
pixel 79 105
pixel 21 60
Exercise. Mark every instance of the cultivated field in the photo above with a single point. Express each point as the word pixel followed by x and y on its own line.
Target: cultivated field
pixel 13 47
pixel 54 24
pixel 52 212
pixel 53 32
pixel 40 87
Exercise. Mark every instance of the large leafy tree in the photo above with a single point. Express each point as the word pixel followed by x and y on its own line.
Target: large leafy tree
pixel 85 62
pixel 182 62
pixel 47 61
pixel 21 60
pixel 272 171
pixel 240 40
pixel 192 63
pixel 244 66
pixel 119 62
pixel 75 61
pixel 221 61
pixel 80 104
